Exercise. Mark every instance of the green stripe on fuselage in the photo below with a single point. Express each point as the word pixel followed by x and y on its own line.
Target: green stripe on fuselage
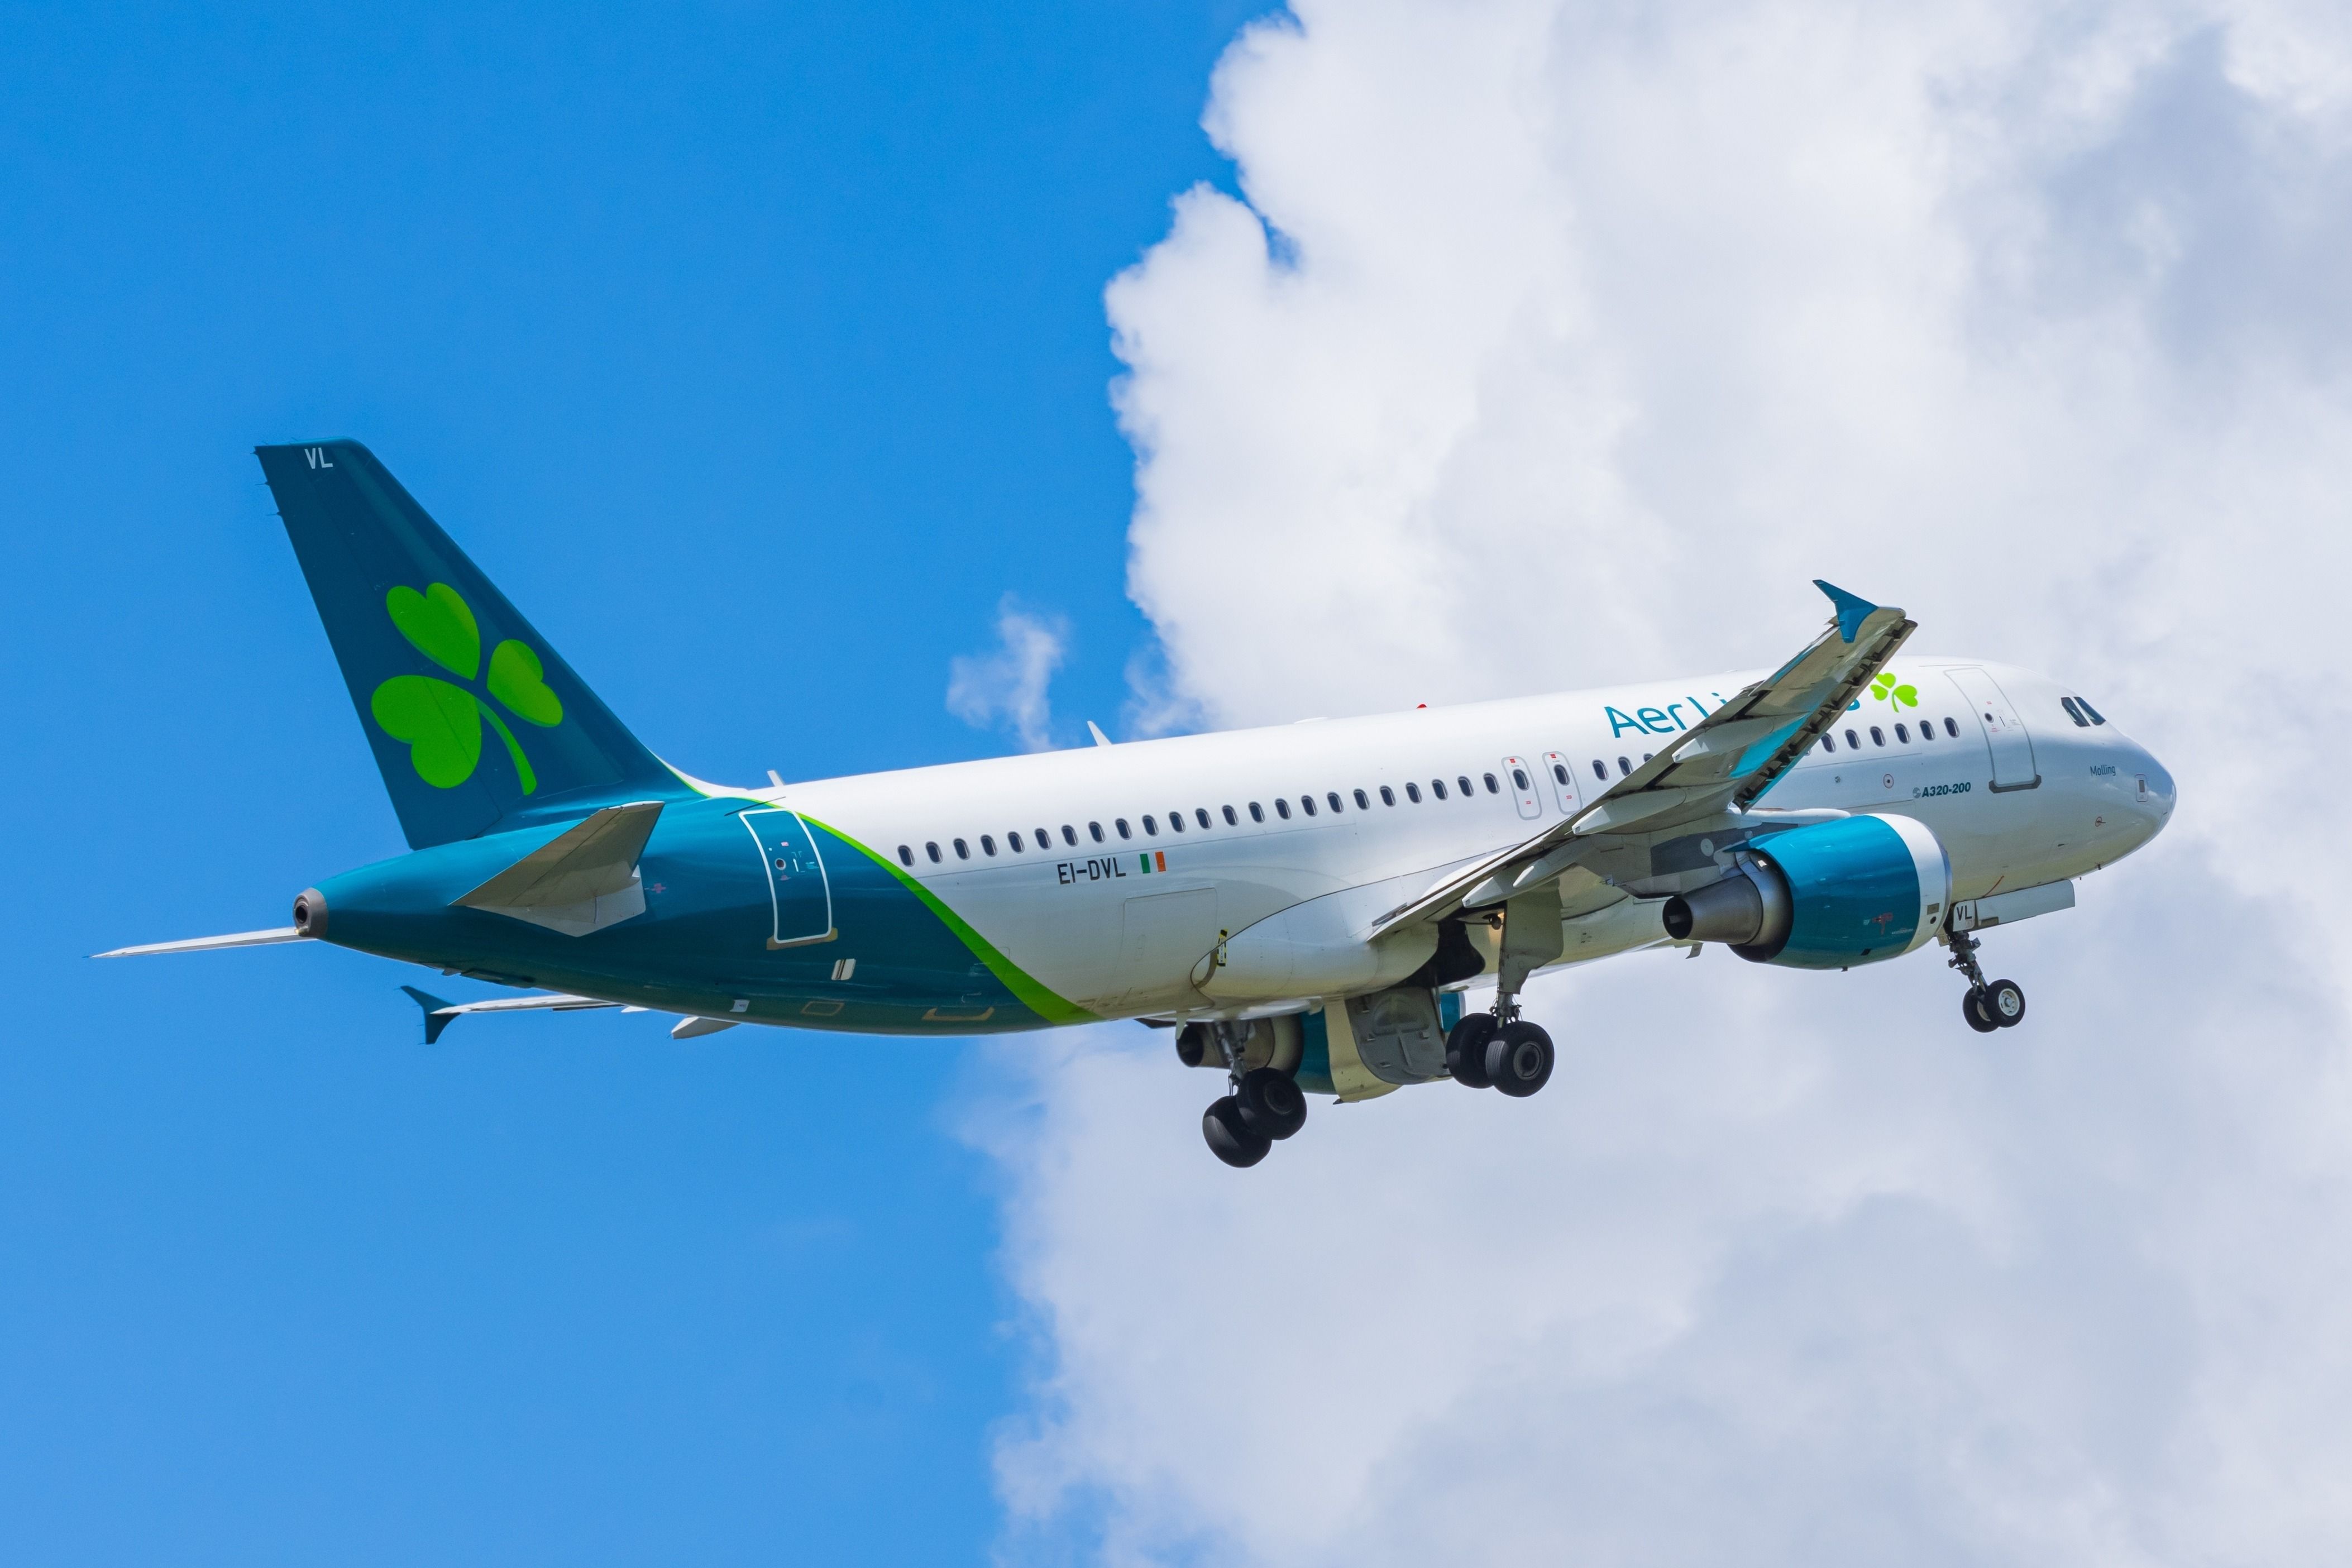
pixel 1031 993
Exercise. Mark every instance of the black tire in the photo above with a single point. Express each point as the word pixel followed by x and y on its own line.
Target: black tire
pixel 1271 1104
pixel 1519 1059
pixel 2004 1004
pixel 1972 1009
pixel 1465 1049
pixel 1230 1138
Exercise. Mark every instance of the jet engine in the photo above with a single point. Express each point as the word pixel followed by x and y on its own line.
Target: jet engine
pixel 1858 890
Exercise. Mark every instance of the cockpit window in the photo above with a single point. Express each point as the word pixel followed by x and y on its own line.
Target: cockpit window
pixel 2096 717
pixel 2074 712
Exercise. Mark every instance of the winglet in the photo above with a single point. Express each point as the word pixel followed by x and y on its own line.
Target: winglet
pixel 1851 612
pixel 1096 731
pixel 438 1015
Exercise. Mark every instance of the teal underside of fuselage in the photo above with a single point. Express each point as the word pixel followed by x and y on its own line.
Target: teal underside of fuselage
pixel 703 943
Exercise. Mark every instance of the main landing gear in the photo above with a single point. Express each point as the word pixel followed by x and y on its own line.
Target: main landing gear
pixel 1266 1106
pixel 1512 1055
pixel 1989 1004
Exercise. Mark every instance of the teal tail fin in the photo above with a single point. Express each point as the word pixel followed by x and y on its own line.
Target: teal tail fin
pixel 476 723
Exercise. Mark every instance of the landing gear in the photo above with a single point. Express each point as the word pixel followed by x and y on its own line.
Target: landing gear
pixel 1519 1058
pixel 1989 1004
pixel 1231 1138
pixel 1266 1104
pixel 1487 1052
pixel 1465 1049
pixel 1270 1103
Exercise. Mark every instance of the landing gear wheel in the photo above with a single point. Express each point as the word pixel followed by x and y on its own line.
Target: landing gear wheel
pixel 1519 1058
pixel 1972 1009
pixel 1465 1049
pixel 2004 1004
pixel 1271 1105
pixel 1231 1139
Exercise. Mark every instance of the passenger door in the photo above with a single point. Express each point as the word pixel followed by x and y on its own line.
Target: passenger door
pixel 2004 732
pixel 798 889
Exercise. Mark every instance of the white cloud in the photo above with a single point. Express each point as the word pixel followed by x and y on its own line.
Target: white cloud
pixel 1559 343
pixel 1008 686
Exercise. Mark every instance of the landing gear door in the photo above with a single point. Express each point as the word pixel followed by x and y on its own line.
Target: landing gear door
pixel 2004 732
pixel 797 886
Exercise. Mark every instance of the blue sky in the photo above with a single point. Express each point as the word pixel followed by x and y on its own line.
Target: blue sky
pixel 757 354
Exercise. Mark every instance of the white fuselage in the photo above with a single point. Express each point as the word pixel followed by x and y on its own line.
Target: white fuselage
pixel 2017 792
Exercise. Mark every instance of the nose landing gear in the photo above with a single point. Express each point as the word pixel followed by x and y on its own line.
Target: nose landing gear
pixel 1988 1005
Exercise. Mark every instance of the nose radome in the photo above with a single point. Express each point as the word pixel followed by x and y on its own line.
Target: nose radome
pixel 2156 790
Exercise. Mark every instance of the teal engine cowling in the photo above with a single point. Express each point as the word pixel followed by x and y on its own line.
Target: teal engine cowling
pixel 1857 890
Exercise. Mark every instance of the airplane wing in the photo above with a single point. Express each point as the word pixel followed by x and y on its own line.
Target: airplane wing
pixel 1723 763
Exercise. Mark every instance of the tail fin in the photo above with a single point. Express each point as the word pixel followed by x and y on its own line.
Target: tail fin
pixel 476 722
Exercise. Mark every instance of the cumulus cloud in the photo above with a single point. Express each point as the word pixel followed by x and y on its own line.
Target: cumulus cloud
pixel 1009 686
pixel 1556 343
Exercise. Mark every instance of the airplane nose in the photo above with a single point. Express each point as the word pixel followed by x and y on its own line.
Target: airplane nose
pixel 2156 791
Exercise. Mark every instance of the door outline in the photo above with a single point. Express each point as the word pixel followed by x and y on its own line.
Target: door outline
pixel 1530 805
pixel 776 938
pixel 1995 715
pixel 1568 795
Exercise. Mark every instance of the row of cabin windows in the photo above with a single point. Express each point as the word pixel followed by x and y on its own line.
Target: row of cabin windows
pixel 1902 735
pixel 1601 769
pixel 1332 800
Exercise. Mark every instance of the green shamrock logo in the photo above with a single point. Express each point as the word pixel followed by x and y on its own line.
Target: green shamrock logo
pixel 442 721
pixel 1886 687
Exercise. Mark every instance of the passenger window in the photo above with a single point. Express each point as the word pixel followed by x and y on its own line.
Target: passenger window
pixel 1176 822
pixel 1559 774
pixel 1124 831
pixel 1600 770
pixel 1306 803
pixel 1625 768
pixel 1852 740
pixel 1829 742
pixel 1281 808
pixel 1413 792
pixel 1096 828
pixel 906 856
pixel 1951 729
pixel 1012 842
pixel 987 846
pixel 1902 735
pixel 1232 820
pixel 964 851
pixel 1044 839
pixel 1492 787
pixel 1438 786
pixel 1201 815
pixel 1388 796
pixel 1520 777
pixel 2096 717
pixel 1927 728
pixel 1364 802
pixel 1464 785
pixel 1334 798
pixel 1877 736
pixel 1151 827
pixel 1070 834
pixel 933 851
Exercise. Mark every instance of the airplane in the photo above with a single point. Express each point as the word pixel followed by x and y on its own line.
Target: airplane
pixel 1303 906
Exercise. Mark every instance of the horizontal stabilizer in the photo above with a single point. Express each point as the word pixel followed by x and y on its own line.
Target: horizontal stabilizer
pixel 580 881
pixel 207 943
pixel 440 1014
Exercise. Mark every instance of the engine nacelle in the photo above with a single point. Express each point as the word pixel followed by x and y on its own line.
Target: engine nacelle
pixel 1858 890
